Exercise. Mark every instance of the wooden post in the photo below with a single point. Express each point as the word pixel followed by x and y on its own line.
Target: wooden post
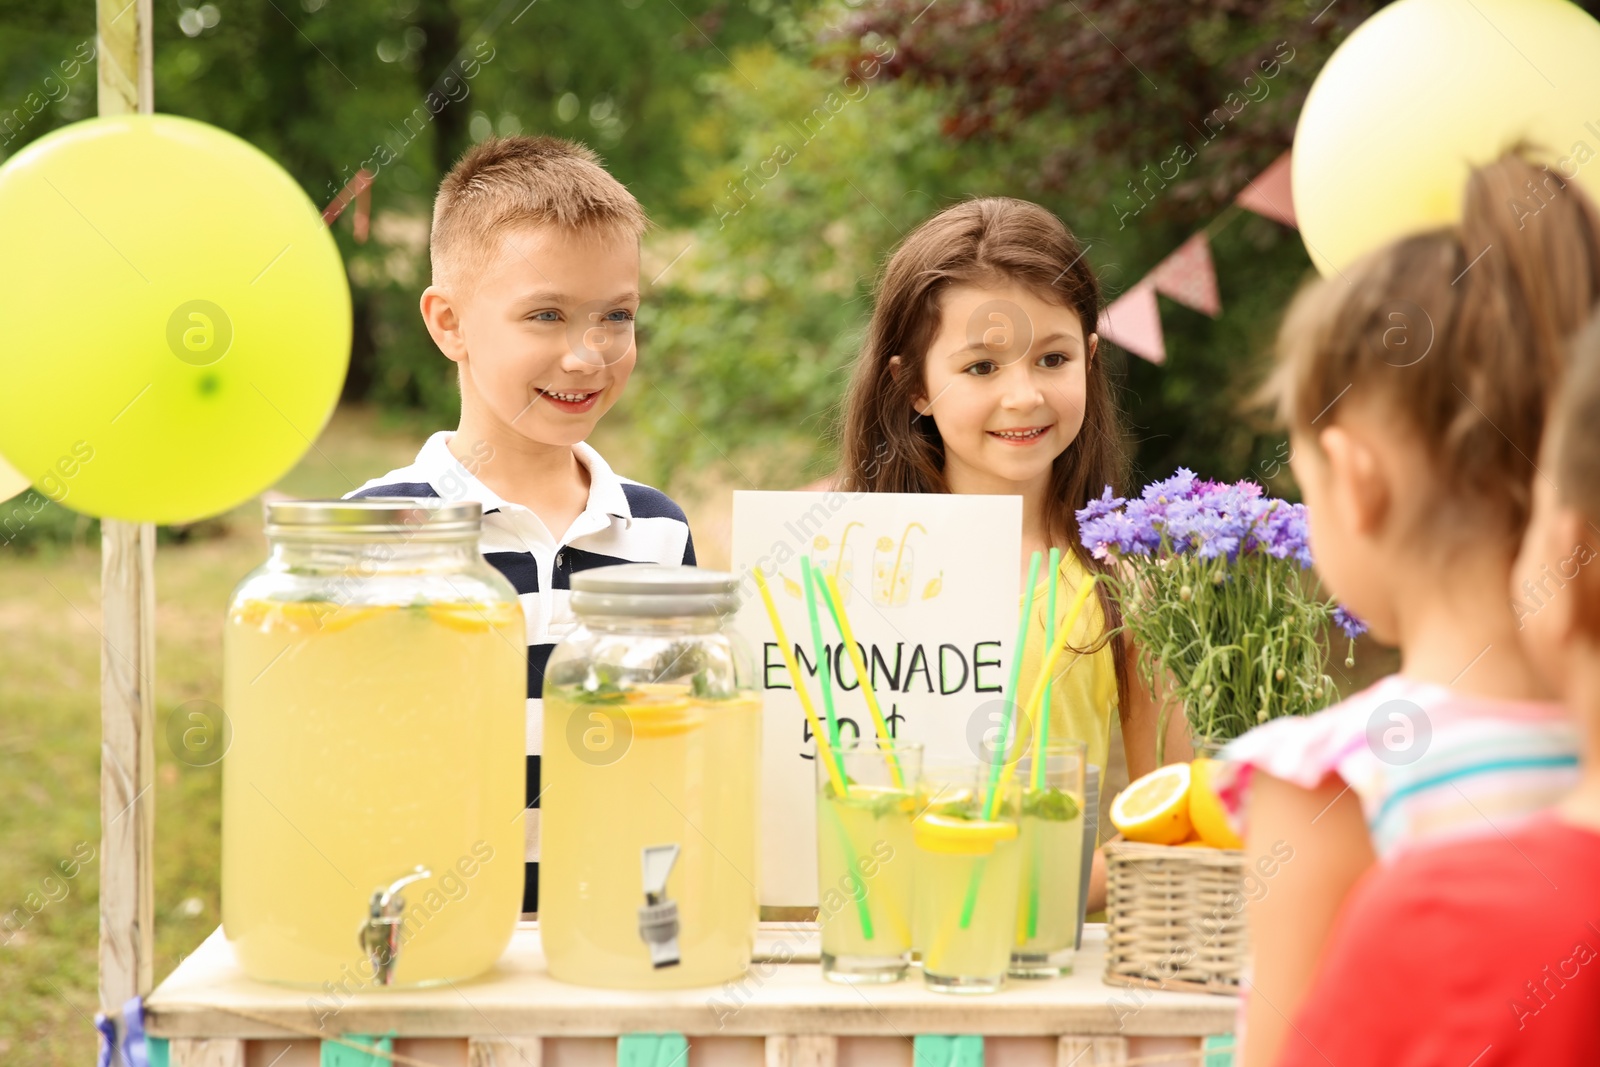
pixel 127 613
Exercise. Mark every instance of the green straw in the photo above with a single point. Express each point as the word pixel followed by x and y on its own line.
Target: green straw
pixel 1033 890
pixel 820 650
pixel 1011 691
pixel 1043 740
pixel 863 911
pixel 991 803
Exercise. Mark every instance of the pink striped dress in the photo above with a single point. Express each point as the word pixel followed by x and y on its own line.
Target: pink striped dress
pixel 1427 763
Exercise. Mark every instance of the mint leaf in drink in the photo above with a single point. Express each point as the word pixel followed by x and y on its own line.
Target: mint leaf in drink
pixel 1051 804
pixel 600 687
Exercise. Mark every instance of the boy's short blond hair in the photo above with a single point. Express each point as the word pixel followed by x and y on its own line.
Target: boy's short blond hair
pixel 505 181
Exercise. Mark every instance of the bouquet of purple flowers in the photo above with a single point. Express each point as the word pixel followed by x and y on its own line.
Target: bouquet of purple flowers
pixel 1211 580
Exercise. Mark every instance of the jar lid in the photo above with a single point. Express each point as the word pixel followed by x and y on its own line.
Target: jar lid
pixel 382 518
pixel 653 591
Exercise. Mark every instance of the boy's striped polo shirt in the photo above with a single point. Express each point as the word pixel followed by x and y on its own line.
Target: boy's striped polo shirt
pixel 624 522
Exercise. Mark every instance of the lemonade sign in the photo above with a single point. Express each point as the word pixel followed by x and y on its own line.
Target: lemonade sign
pixel 930 584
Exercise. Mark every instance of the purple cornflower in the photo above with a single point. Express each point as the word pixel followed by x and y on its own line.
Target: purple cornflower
pixel 1193 515
pixel 1352 626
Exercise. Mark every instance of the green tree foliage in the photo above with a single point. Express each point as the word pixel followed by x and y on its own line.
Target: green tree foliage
pixel 402 87
pixel 783 149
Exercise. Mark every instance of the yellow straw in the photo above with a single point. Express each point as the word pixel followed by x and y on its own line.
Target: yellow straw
pixel 1036 695
pixel 836 603
pixel 824 753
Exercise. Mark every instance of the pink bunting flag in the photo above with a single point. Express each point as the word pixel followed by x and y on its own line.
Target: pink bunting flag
pixel 1189 276
pixel 359 190
pixel 1134 322
pixel 1270 193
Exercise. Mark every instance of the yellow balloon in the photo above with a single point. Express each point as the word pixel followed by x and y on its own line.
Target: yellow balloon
pixel 11 482
pixel 177 318
pixel 1426 89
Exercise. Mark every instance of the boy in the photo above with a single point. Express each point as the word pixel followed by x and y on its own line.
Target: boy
pixel 535 257
pixel 1487 953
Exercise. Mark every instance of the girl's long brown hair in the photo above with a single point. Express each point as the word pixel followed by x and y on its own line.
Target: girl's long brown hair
pixel 888 448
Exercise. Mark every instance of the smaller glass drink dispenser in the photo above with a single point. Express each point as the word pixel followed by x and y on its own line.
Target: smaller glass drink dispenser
pixel 649 806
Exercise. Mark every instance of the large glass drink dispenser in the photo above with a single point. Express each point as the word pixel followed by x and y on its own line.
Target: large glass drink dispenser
pixel 649 806
pixel 372 794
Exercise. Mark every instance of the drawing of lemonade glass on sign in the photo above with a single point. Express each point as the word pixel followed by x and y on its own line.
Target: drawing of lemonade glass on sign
pixel 894 567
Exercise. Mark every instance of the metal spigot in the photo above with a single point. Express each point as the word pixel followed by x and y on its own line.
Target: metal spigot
pixel 380 933
pixel 658 919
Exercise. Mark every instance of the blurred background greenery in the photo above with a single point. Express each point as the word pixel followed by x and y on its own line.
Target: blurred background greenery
pixel 782 150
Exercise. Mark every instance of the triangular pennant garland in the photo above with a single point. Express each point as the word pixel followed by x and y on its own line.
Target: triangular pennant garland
pixel 1134 322
pixel 1189 276
pixel 1271 193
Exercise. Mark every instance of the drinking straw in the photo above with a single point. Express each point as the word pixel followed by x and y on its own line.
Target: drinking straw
pixel 992 801
pixel 1036 695
pixel 824 750
pixel 1023 618
pixel 1043 733
pixel 1031 928
pixel 858 887
pixel 1035 700
pixel 820 650
pixel 1041 738
pixel 830 596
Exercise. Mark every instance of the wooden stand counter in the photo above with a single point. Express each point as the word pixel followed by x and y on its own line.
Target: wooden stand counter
pixel 781 1013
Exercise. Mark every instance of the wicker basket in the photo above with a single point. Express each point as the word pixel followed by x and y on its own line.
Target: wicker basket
pixel 1174 917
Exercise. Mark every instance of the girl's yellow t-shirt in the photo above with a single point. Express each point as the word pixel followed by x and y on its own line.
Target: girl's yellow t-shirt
pixel 1083 696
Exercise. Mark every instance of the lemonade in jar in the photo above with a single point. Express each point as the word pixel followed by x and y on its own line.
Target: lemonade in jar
pixel 652 739
pixel 374 680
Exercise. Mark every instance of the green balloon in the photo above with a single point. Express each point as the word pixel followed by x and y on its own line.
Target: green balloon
pixel 177 318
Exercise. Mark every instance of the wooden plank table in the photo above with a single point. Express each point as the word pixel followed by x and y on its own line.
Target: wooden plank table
pixel 782 1012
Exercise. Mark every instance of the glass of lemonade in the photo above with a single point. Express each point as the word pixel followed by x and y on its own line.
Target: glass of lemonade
pixel 1051 843
pixel 375 690
pixel 864 860
pixel 967 871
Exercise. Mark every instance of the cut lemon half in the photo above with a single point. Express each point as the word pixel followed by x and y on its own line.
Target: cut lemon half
pixel 1205 807
pixel 1155 809
pixel 960 837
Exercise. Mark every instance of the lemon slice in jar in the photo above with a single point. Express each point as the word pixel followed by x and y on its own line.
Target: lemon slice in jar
pixel 959 837
pixel 656 709
pixel 463 617
pixel 343 616
pixel 1155 809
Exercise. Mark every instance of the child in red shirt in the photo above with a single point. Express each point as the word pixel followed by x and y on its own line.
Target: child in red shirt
pixel 1486 953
